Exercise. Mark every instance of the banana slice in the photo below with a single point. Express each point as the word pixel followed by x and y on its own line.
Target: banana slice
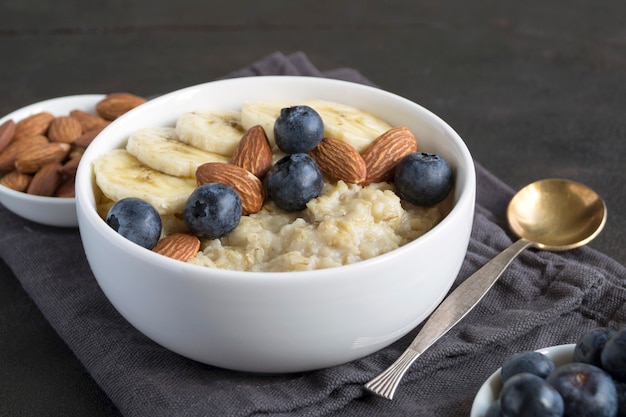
pixel 341 121
pixel 160 149
pixel 262 113
pixel 119 175
pixel 218 132
pixel 349 124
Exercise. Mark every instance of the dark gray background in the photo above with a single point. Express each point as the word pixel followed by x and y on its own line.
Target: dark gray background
pixel 536 89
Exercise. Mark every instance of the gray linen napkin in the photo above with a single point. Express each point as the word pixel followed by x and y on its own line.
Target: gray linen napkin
pixel 543 299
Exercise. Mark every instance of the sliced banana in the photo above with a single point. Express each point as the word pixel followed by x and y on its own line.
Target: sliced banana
pixel 262 113
pixel 119 175
pixel 160 149
pixel 348 123
pixel 341 121
pixel 218 132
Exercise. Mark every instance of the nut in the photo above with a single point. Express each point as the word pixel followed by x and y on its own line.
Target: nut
pixel 180 246
pixel 386 151
pixel 7 129
pixel 36 124
pixel 71 165
pixel 115 104
pixel 247 185
pixel 67 188
pixel 16 148
pixel 65 129
pixel 46 180
pixel 17 181
pixel 339 160
pixel 30 162
pixel 87 137
pixel 254 152
pixel 88 120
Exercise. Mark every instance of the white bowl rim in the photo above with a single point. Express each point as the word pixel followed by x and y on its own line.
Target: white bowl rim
pixel 467 195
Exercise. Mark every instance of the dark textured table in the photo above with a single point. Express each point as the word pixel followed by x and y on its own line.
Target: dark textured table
pixel 535 90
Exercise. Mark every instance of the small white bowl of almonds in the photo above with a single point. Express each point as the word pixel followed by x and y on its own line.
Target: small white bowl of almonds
pixel 257 224
pixel 41 146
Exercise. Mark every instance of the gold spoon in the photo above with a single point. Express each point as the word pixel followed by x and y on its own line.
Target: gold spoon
pixel 550 214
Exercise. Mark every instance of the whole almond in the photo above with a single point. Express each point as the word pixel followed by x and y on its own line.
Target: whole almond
pixel 245 183
pixel 339 160
pixel 30 162
pixel 115 104
pixel 67 187
pixel 386 151
pixel 7 130
pixel 46 180
pixel 180 246
pixel 87 137
pixel 16 148
pixel 65 129
pixel 70 166
pixel 254 152
pixel 36 124
pixel 88 120
pixel 17 181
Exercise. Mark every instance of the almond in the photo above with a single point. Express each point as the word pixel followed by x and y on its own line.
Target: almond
pixel 247 185
pixel 7 129
pixel 70 166
pixel 67 188
pixel 16 148
pixel 254 152
pixel 36 124
pixel 88 120
pixel 64 129
pixel 386 151
pixel 115 104
pixel 339 160
pixel 46 180
pixel 86 138
pixel 30 162
pixel 180 246
pixel 17 181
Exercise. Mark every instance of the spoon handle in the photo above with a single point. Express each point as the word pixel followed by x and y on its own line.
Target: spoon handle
pixel 460 302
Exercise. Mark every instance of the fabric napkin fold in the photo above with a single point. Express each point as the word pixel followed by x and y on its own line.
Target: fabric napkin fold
pixel 542 299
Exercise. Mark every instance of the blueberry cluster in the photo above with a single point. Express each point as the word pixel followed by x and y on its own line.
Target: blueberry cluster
pixel 593 384
pixel 296 179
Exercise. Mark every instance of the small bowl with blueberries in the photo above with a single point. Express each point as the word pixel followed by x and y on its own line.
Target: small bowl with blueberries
pixel 587 378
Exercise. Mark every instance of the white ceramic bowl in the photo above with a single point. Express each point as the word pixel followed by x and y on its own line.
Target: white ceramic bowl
pixel 490 390
pixel 279 322
pixel 51 211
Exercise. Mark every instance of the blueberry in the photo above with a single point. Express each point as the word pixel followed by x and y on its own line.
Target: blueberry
pixel 613 356
pixel 423 179
pixel 586 390
pixel 527 395
pixel 293 181
pixel 590 345
pixel 532 362
pixel 212 210
pixel 136 220
pixel 298 129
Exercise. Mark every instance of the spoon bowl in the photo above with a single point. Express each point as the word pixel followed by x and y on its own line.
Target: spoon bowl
pixel 550 214
pixel 556 214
